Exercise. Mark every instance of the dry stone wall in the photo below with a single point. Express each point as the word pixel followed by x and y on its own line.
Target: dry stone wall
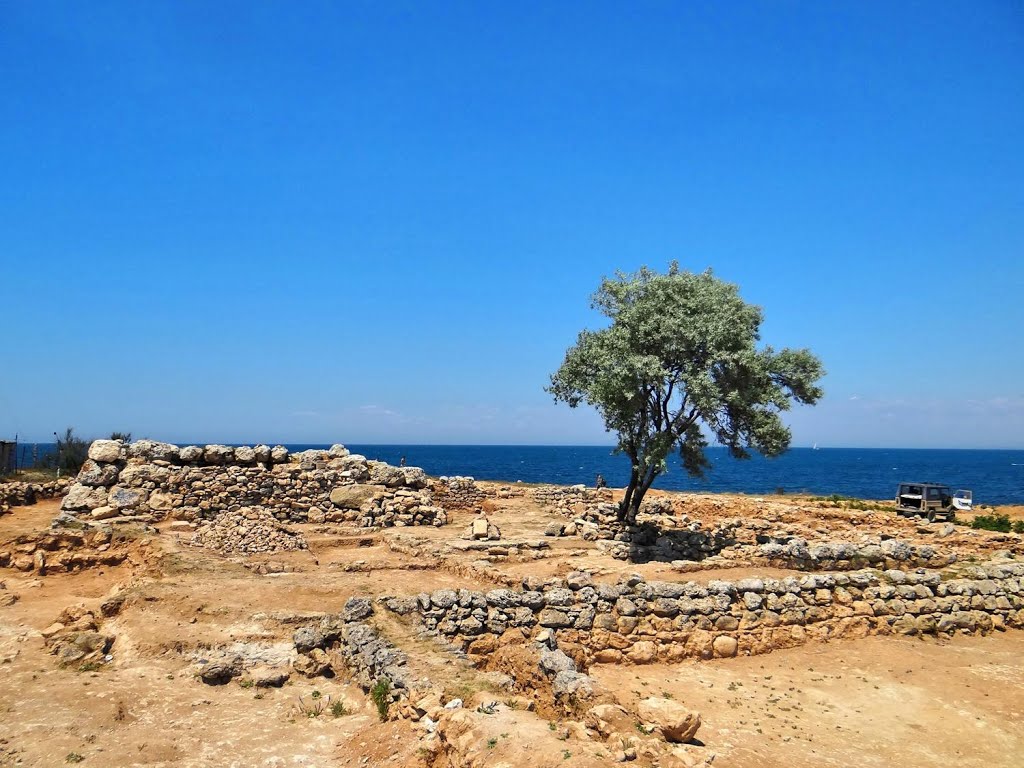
pixel 843 556
pixel 459 492
pixel 635 621
pixel 16 493
pixel 153 479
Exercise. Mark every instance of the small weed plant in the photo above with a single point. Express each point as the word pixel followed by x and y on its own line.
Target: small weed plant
pixel 313 708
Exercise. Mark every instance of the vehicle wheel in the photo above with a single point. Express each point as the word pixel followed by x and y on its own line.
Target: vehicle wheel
pixel 931 515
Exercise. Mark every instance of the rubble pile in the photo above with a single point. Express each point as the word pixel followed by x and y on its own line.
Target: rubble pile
pixel 247 530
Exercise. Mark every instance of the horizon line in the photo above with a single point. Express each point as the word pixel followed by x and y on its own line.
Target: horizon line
pixel 546 445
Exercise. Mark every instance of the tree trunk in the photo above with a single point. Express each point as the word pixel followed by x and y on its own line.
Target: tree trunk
pixel 626 503
pixel 634 497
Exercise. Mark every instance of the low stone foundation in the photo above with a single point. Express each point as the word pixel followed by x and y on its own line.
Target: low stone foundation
pixel 16 493
pixel 639 622
pixel 844 556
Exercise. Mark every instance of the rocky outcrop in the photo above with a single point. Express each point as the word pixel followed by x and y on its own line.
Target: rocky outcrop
pixel 346 642
pixel 76 638
pixel 65 551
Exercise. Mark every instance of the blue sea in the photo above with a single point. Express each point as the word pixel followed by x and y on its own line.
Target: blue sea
pixel 995 476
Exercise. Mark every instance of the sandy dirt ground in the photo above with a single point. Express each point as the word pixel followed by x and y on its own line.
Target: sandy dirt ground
pixel 874 702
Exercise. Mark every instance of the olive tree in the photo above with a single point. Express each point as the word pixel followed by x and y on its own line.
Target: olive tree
pixel 680 364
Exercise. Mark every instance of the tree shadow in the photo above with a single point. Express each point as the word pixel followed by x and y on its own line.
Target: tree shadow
pixel 649 543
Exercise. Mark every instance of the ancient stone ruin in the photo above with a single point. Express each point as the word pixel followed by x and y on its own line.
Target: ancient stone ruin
pixel 148 480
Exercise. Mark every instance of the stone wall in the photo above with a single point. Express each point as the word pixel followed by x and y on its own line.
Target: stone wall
pixel 640 622
pixel 796 553
pixel 15 493
pixel 459 493
pixel 569 500
pixel 151 480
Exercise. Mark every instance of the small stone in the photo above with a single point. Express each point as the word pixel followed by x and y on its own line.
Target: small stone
pixel 104 513
pixel 676 723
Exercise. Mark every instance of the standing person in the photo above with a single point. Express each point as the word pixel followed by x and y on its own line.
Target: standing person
pixel 599 482
pixel 401 462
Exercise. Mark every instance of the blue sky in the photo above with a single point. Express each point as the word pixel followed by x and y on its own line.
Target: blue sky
pixel 381 222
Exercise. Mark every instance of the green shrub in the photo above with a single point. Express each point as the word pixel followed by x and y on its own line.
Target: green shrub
pixel 72 451
pixel 1000 523
pixel 381 696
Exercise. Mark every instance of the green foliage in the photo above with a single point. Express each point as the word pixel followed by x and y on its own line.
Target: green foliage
pixel 338 709
pixel 72 451
pixel 73 757
pixel 380 693
pixel 1000 523
pixel 678 364
pixel 848 502
pixel 124 437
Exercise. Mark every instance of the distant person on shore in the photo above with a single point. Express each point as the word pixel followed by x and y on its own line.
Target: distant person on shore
pixel 600 483
pixel 401 462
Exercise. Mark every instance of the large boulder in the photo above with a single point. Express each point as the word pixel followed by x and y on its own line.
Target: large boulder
pixel 414 477
pixel 151 450
pixel 190 454
pixel 676 723
pixel 218 454
pixel 94 474
pixel 84 497
pixel 354 496
pixel 353 466
pixel 106 451
pixel 126 498
pixel 357 609
pixel 385 474
pixel 245 455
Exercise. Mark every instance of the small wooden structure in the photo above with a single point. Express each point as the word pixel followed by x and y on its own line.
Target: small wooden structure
pixel 8 457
